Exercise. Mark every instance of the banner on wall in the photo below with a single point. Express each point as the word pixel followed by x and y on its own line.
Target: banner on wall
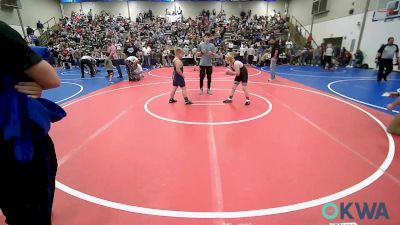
pixel 386 10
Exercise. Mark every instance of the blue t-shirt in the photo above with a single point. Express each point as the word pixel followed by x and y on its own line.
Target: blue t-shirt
pixel 206 60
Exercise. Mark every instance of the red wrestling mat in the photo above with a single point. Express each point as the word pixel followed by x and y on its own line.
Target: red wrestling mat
pixel 127 156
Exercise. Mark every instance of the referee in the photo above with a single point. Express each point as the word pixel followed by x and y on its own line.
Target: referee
pixel 207 51
pixel 385 59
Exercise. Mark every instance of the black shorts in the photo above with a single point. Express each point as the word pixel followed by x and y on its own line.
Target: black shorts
pixel 110 72
pixel 179 81
pixel 243 77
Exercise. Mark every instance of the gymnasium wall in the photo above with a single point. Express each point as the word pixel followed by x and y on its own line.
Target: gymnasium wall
pixel 301 9
pixel 375 33
pixel 31 12
pixel 190 8
pixel 338 23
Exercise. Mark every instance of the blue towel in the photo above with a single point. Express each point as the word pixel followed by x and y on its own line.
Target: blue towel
pixel 19 115
pixel 43 52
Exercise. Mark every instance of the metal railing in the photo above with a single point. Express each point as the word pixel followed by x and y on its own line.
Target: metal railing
pixel 301 29
pixel 47 24
pixel 44 34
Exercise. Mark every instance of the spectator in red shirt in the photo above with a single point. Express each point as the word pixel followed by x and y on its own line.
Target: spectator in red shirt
pixel 310 38
pixel 66 59
pixel 347 57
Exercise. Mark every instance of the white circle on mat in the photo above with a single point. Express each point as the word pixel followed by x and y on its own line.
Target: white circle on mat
pixel 146 108
pixel 248 213
pixel 198 72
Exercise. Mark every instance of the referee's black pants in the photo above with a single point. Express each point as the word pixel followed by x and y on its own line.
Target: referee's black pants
pixel 203 71
pixel 385 68
pixel 91 67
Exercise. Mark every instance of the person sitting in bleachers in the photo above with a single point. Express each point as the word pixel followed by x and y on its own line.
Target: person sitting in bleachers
pixel 66 59
pixel 358 59
pixel 157 32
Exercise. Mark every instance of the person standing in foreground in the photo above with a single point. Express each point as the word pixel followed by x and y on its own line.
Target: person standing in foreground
pixel 274 57
pixel 178 78
pixel 207 51
pixel 385 57
pixel 28 162
pixel 394 126
pixel 112 50
pixel 238 69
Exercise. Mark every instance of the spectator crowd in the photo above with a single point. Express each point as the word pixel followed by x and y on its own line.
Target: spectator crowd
pixel 152 38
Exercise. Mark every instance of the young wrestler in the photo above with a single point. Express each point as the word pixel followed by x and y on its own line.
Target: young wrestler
pixel 136 70
pixel 109 67
pixel 133 68
pixel 178 77
pixel 240 71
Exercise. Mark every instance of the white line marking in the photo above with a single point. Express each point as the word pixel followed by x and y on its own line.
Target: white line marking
pixel 86 78
pixel 76 71
pixel 113 90
pixel 258 72
pixel 250 213
pixel 202 104
pixel 216 183
pixel 315 76
pixel 304 71
pixel 208 101
pixel 98 76
pixel 146 108
pixel 353 99
pixel 74 151
pixel 335 139
pixel 77 93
